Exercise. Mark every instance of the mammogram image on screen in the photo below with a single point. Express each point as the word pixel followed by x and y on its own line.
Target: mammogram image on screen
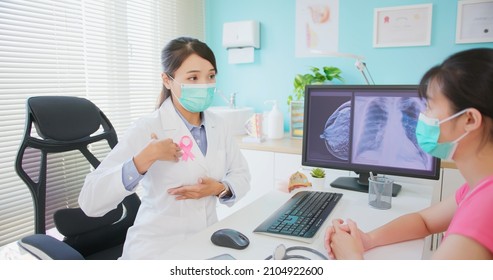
pixel 384 132
pixel 336 132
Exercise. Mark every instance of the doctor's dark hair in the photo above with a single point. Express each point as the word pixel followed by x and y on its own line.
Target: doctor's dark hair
pixel 466 80
pixel 177 51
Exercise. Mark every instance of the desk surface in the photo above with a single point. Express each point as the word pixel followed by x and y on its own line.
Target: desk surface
pixel 352 205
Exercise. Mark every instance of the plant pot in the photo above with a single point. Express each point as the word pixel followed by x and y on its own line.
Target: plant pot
pixel 317 183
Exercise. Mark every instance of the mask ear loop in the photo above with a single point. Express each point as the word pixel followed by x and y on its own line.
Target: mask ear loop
pixel 453 116
pixel 171 90
pixel 461 137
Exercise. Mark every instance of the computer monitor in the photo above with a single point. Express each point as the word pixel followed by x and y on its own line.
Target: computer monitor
pixel 365 128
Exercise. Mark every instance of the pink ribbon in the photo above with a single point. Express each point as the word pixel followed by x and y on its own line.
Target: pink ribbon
pixel 186 148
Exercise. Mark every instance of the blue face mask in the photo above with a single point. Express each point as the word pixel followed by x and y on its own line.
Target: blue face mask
pixel 196 97
pixel 428 132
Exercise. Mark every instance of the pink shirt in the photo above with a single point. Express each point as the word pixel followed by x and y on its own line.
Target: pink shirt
pixel 474 215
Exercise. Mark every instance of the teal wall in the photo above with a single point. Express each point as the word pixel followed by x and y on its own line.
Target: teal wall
pixel 271 75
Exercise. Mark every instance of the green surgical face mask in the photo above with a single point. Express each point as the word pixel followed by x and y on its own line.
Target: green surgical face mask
pixel 196 97
pixel 428 132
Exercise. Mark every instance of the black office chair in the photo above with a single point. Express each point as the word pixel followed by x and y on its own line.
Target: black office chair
pixel 63 124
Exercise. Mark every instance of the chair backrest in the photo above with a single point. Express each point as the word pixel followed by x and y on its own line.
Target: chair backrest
pixel 63 124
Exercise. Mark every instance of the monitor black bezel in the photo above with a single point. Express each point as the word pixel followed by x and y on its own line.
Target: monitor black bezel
pixel 433 175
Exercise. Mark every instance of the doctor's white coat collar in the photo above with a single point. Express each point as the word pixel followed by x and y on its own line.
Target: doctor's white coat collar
pixel 171 121
pixel 188 124
pixel 168 106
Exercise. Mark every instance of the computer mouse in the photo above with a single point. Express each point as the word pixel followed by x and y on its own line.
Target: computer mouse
pixel 230 238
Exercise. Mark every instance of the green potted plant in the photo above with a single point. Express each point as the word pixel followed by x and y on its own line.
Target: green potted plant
pixel 296 106
pixel 317 76
pixel 317 173
pixel 317 177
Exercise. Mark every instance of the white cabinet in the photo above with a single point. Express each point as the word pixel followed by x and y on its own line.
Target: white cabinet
pixel 287 164
pixel 261 165
pixel 284 166
pixel 268 170
pixel 450 181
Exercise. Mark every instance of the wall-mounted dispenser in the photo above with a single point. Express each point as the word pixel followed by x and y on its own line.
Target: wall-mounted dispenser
pixel 241 38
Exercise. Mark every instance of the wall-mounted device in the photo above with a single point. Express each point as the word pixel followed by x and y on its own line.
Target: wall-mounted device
pixel 241 38
pixel 241 34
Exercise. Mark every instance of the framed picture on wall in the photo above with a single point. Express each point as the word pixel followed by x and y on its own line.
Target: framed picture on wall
pixel 316 27
pixel 402 26
pixel 474 21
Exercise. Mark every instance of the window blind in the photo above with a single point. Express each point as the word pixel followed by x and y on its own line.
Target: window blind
pixel 106 51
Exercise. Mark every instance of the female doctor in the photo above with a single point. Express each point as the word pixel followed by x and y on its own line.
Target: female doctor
pixel 184 157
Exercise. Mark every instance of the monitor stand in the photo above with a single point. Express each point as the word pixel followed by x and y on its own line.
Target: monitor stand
pixel 359 185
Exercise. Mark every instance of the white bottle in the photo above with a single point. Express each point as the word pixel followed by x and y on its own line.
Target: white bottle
pixel 275 122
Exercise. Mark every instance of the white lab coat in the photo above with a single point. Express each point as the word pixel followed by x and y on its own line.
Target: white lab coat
pixel 162 220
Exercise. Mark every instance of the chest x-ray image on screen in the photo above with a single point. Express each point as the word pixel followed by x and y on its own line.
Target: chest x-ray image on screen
pixel 384 133
pixel 365 128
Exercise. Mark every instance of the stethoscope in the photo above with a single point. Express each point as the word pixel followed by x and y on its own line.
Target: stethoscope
pixel 281 253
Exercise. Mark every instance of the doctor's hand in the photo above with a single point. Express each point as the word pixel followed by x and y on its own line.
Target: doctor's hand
pixel 165 149
pixel 157 149
pixel 345 241
pixel 205 187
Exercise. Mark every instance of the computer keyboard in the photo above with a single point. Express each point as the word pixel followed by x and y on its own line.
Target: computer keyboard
pixel 302 215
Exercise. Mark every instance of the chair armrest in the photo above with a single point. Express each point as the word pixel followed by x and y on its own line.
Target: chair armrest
pixel 45 247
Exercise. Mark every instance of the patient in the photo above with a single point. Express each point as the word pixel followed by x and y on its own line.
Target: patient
pixel 457 125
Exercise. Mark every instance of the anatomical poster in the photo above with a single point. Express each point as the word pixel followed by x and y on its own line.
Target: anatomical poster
pixel 317 27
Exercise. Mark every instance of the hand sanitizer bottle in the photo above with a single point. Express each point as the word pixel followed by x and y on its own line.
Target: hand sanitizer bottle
pixel 275 122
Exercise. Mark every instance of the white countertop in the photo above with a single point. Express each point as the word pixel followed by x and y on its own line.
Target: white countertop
pixel 290 145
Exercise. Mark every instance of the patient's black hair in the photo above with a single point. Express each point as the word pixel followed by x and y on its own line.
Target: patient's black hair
pixel 466 80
